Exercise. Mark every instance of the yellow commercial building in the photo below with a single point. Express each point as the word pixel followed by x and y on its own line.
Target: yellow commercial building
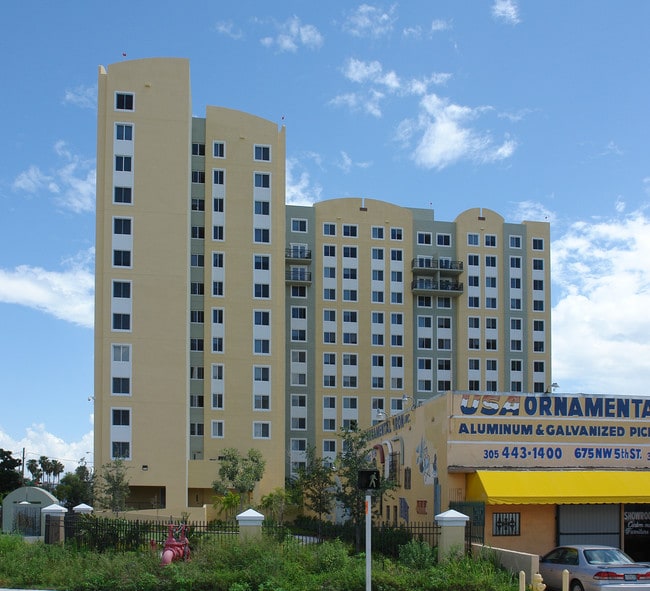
pixel 532 471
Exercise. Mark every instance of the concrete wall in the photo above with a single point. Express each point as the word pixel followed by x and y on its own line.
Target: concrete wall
pixel 510 559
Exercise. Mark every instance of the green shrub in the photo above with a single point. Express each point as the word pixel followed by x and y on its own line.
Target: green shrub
pixel 417 555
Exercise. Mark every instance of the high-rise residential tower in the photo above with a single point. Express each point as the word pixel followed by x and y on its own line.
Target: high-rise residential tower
pixel 225 318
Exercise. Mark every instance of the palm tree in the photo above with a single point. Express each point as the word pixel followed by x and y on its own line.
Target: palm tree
pixel 34 470
pixel 46 467
pixel 57 469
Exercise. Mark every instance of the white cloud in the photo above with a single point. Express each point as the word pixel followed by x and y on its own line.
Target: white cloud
pixel 600 320
pixel 72 184
pixel 38 442
pixel 506 11
pixel 300 189
pixel 81 96
pixel 531 211
pixel 228 29
pixel 446 137
pixel 346 164
pixel 67 294
pixel 370 21
pixel 293 34
pixel 440 25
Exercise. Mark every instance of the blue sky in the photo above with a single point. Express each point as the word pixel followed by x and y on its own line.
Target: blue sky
pixel 538 110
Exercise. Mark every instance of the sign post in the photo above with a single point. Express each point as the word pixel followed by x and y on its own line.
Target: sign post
pixel 368 480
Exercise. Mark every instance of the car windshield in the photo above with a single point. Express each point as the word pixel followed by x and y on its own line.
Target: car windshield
pixel 607 556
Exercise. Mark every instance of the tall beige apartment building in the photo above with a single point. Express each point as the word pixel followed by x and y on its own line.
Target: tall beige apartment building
pixel 225 318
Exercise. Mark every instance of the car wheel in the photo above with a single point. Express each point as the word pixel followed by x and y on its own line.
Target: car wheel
pixel 576 586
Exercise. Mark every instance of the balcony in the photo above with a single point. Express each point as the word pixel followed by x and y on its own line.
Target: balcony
pixel 297 253
pixel 432 265
pixel 445 287
pixel 298 276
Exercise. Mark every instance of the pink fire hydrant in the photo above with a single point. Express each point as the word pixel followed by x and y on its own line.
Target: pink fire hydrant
pixel 176 548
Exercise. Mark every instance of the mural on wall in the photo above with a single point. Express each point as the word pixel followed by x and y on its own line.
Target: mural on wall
pixel 427 465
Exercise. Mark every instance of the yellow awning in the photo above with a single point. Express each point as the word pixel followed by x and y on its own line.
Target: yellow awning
pixel 557 487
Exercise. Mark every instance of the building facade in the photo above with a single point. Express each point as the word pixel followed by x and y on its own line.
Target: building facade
pixel 226 318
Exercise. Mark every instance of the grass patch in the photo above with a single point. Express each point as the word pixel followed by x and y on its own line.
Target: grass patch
pixel 243 565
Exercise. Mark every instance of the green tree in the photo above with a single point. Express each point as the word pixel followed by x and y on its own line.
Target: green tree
pixel 57 470
pixel 76 487
pixel 46 469
pixel 239 473
pixel 34 470
pixel 355 456
pixel 10 478
pixel 112 486
pixel 277 502
pixel 316 483
pixel 227 503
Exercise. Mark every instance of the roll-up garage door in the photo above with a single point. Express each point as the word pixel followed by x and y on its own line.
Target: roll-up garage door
pixel 589 524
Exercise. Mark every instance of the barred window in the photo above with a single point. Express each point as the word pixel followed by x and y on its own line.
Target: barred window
pixel 506 524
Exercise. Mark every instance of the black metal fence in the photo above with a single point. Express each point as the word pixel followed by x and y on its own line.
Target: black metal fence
pixel 101 534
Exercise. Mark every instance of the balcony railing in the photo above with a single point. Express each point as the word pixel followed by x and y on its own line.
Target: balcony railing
pixel 302 276
pixel 297 253
pixel 430 265
pixel 430 286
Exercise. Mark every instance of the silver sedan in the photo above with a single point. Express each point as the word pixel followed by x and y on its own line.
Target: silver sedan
pixel 594 568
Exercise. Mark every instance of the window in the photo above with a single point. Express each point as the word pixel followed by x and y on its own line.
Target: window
pixel 262 235
pixel 491 344
pixel 262 402
pixel 124 101
pixel 490 282
pixel 473 301
pixel 198 204
pixel 298 423
pixel 329 250
pixel 329 381
pixel 515 303
pixel 538 305
pixel 298 334
pixel 217 344
pixel 218 233
pixel 377 254
pixel 350 338
pixel 197 316
pixel 349 316
pixel 121 258
pixel 197 260
pixel 349 295
pixel 217 288
pixel 472 260
pixel 198 232
pixel 196 288
pixel 349 273
pixel 262 317
pixel 490 240
pixel 329 293
pixel 261 262
pixel 490 261
pixel 472 239
pixel 474 364
pixel 444 344
pixel 538 264
pixel 329 358
pixel 515 345
pixel 472 322
pixel 329 229
pixel 506 524
pixel 329 337
pixel 349 230
pixel 491 323
pixel 538 325
pixel 538 244
pixel 123 195
pixel 515 283
pixel 350 252
pixel 298 225
pixel 515 241
pixel 515 365
pixel 329 272
pixel 217 429
pixel 262 207
pixel 196 344
pixel 198 149
pixel 197 372
pixel 329 424
pixel 377 296
pixel 262 180
pixel 515 324
pixel 377 232
pixel 123 163
pixel 261 430
pixel 121 289
pixel 218 177
pixel 515 262
pixel 198 176
pixel 219 149
pixel 262 346
pixel 444 302
pixel 395 254
pixel 396 233
pixel 491 303
pixel 121 386
pixel 473 343
pixel 261 290
pixel 538 367
pixel 262 153
pixel 298 291
pixel 196 401
pixel 196 429
pixel 443 239
pixel 120 450
pixel 124 132
pixel 121 352
pixel 424 238
pixel 538 346
pixel 538 284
